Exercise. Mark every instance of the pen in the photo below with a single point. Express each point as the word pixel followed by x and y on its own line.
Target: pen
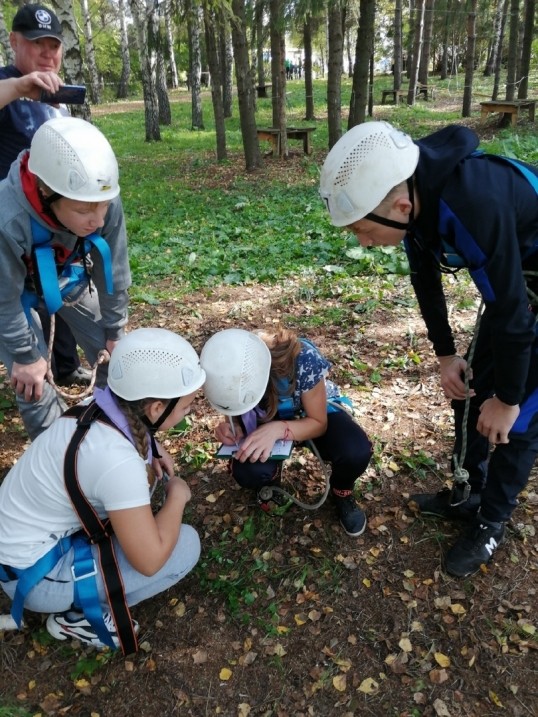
pixel 233 431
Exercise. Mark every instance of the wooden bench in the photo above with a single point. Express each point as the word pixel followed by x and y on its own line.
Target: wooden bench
pixel 395 95
pixel 262 90
pixel 507 107
pixel 272 134
pixel 426 91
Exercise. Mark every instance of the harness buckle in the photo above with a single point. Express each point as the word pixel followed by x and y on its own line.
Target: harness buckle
pixel 90 574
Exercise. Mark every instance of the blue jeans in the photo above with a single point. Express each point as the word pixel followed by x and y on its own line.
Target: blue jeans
pixel 55 592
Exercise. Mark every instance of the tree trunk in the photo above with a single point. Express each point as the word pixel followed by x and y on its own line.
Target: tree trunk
pixel 446 40
pixel 278 71
pixel 397 65
pixel 195 64
pixel 469 60
pixel 526 50
pixel 226 61
pixel 495 40
pixel 335 53
pixel 156 43
pixel 245 88
pixel 427 42
pixel 5 48
pixel 308 80
pixel 512 50
pixel 498 59
pixel 123 85
pixel 95 87
pixel 141 18
pixel 167 11
pixel 418 30
pixel 260 33
pixel 73 73
pixel 363 53
pixel 212 29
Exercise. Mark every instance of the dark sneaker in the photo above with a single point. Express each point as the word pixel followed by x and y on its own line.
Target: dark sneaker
pixel 474 548
pixel 81 376
pixel 351 517
pixel 73 625
pixel 447 504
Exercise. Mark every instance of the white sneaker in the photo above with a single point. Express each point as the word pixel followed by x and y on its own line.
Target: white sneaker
pixel 73 625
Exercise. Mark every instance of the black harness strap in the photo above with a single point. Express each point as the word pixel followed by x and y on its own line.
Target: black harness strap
pixel 98 532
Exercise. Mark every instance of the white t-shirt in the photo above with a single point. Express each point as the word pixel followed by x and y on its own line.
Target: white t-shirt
pixel 35 510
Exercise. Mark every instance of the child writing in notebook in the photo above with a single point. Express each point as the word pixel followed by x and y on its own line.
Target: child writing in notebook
pixel 273 386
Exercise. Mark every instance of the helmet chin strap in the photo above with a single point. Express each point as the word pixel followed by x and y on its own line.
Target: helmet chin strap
pixel 393 224
pixel 154 427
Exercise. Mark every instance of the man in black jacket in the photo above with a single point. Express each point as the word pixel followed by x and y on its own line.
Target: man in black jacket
pixel 455 207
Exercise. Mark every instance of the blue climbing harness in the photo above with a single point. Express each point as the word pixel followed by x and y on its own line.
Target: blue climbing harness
pixel 84 569
pixel 58 282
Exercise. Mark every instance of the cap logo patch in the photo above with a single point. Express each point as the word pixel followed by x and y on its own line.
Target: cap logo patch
pixel 43 18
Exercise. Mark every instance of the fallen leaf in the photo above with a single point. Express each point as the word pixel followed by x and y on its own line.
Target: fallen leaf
pixel 199 657
pixel 441 659
pixel 243 709
pixel 405 644
pixel 225 674
pixel 493 697
pixel 441 710
pixel 339 683
pixel 369 686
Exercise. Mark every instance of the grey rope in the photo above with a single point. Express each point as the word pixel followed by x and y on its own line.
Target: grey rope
pixel 266 492
pixel 461 474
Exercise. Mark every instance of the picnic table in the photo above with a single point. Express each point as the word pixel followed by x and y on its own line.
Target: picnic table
pixel 262 90
pixel 507 107
pixel 272 134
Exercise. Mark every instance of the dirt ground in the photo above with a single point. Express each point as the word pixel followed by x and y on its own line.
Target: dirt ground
pixel 286 616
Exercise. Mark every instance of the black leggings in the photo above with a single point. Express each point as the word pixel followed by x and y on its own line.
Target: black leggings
pixel 344 444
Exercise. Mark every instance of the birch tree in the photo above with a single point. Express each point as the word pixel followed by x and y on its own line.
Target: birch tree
pixel 73 73
pixel 141 18
pixel 123 85
pixel 93 74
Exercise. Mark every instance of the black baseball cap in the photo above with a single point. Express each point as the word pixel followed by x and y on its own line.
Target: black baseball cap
pixel 34 21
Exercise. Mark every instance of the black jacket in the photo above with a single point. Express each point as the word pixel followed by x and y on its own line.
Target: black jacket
pixel 487 212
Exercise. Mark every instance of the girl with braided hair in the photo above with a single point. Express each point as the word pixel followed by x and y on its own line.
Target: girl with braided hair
pixel 153 378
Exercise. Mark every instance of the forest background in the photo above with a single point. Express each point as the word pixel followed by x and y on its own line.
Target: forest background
pixel 285 616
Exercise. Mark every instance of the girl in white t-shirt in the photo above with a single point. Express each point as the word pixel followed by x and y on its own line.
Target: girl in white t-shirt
pixel 153 378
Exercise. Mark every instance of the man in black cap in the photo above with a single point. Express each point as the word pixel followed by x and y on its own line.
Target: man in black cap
pixel 36 40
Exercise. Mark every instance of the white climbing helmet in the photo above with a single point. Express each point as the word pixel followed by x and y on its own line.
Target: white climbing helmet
pixel 362 167
pixel 237 365
pixel 75 160
pixel 154 363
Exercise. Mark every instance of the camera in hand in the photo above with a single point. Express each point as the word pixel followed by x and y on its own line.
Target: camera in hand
pixel 67 94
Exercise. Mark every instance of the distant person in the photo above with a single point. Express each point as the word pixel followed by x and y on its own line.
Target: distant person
pixel 275 386
pixel 63 244
pixel 36 40
pixel 44 553
pixel 455 207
